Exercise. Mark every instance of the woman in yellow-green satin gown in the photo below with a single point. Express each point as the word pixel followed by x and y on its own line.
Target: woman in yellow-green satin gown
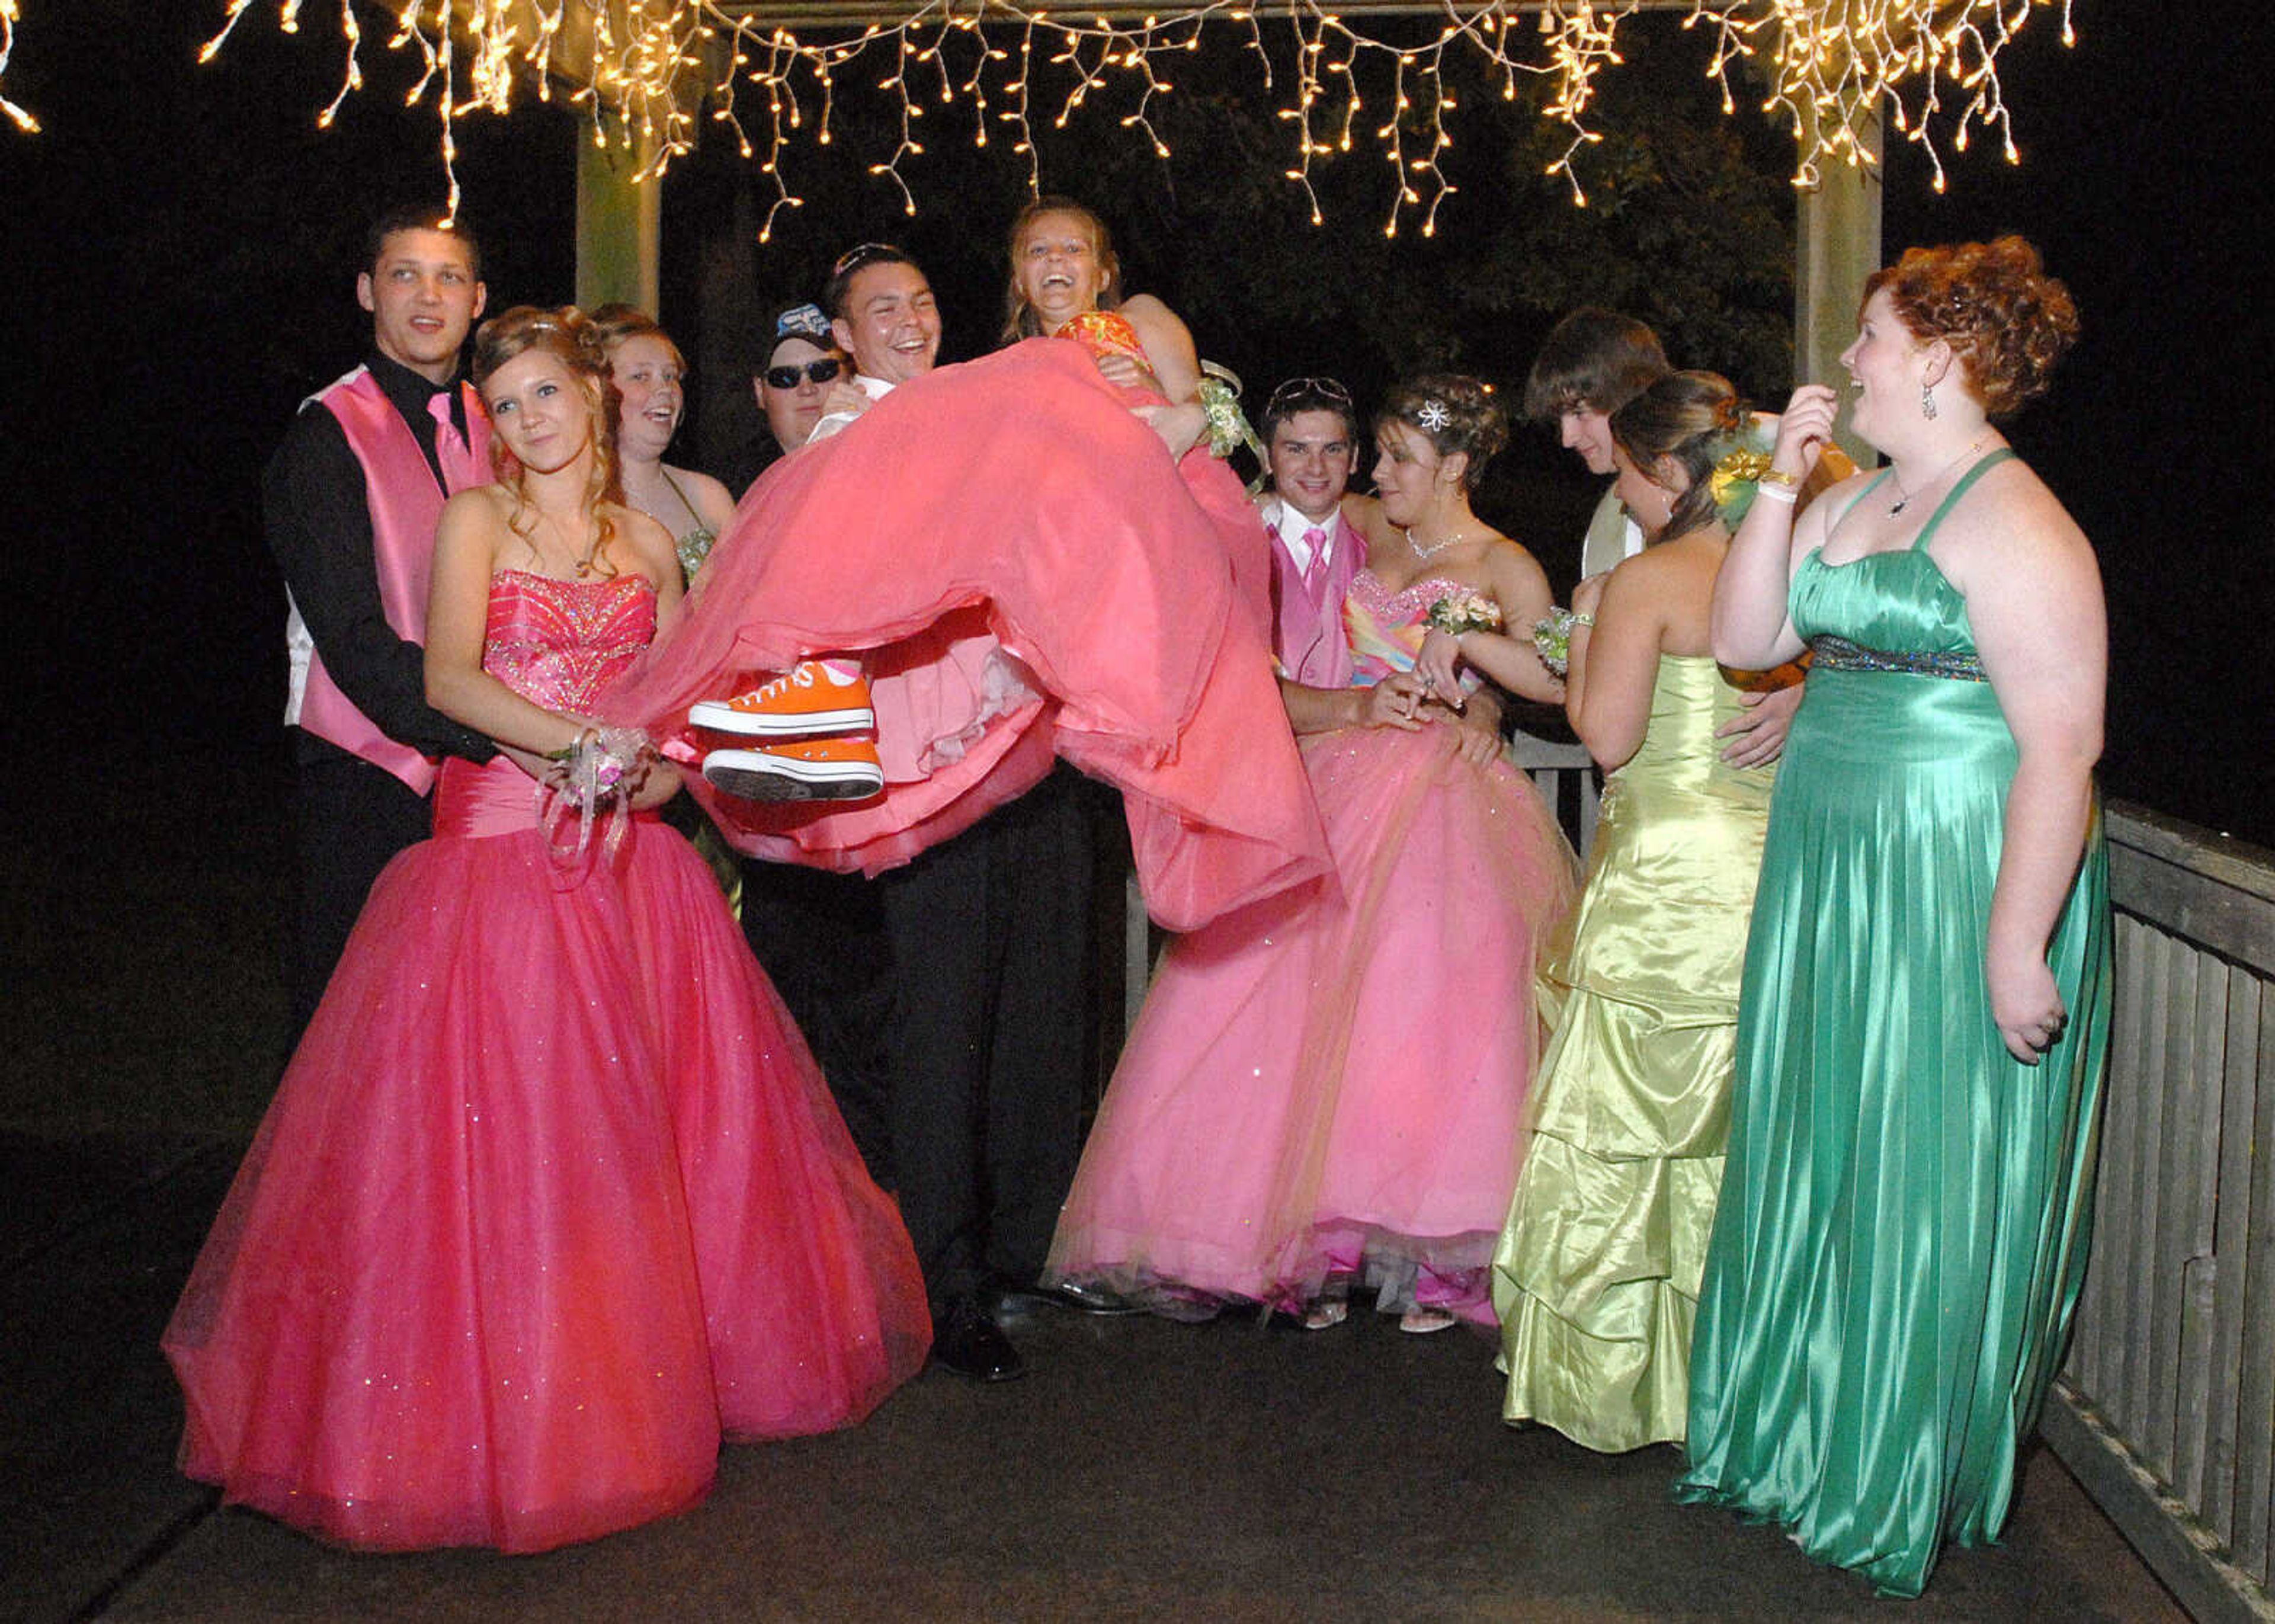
pixel 1596 1276
pixel 1905 1218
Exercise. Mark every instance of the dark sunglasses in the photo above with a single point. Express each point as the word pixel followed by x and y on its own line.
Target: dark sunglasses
pixel 814 372
pixel 1326 389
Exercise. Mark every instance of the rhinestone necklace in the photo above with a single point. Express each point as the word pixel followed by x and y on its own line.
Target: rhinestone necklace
pixel 1427 553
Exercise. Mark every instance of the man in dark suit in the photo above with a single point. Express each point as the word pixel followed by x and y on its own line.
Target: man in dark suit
pixel 350 503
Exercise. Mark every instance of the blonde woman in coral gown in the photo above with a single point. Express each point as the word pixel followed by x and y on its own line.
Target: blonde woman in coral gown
pixel 551 1197
pixel 1597 1275
pixel 1325 1092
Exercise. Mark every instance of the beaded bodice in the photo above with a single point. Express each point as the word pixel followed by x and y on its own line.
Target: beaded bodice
pixel 1385 627
pixel 560 644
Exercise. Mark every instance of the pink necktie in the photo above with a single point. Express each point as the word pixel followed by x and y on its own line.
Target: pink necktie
pixel 1315 572
pixel 451 448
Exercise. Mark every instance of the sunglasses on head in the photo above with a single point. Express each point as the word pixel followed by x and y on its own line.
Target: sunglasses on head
pixel 860 254
pixel 814 372
pixel 1326 389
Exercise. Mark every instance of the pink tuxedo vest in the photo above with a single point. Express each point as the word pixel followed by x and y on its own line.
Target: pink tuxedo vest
pixel 1308 624
pixel 406 506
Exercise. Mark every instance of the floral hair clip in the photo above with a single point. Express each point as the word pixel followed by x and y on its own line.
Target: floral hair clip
pixel 1433 416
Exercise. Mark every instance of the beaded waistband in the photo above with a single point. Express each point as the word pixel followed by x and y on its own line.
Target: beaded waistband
pixel 1840 654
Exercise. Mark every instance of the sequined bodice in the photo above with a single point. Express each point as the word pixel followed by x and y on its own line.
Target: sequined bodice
pixel 1385 626
pixel 560 644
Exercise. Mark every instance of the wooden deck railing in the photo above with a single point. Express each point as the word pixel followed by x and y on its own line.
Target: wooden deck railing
pixel 2167 1409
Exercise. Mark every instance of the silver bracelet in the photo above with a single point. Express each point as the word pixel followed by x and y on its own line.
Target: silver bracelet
pixel 1785 494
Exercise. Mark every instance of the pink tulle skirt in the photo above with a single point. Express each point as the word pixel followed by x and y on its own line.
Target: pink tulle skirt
pixel 1025 573
pixel 1329 1087
pixel 551 1198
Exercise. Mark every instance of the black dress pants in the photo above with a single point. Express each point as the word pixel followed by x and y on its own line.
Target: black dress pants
pixel 985 1046
pixel 349 821
pixel 821 939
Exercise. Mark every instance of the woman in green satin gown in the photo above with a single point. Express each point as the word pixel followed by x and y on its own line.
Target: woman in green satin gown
pixel 1596 1278
pixel 1925 1016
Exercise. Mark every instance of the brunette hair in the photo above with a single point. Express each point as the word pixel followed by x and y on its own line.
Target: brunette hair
pixel 1473 421
pixel 1019 319
pixel 1694 416
pixel 418 217
pixel 851 264
pixel 571 337
pixel 615 323
pixel 1298 395
pixel 2006 319
pixel 1593 361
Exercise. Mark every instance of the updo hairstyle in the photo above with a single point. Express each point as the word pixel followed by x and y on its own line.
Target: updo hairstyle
pixel 573 338
pixel 1019 317
pixel 1697 418
pixel 2006 319
pixel 615 323
pixel 1454 413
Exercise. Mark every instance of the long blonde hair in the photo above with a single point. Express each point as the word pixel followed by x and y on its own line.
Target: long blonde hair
pixel 569 335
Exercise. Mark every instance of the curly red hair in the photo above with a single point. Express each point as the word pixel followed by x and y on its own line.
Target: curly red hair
pixel 2006 321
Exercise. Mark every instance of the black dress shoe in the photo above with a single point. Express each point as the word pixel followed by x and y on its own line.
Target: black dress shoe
pixel 1082 1297
pixel 966 1342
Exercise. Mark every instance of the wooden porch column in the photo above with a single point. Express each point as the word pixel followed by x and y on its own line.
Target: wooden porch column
pixel 618 226
pixel 1839 245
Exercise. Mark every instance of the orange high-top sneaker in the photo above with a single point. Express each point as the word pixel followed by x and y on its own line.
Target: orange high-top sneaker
pixel 813 696
pixel 822 769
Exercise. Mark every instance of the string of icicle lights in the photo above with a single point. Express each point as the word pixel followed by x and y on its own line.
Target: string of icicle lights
pixel 647 71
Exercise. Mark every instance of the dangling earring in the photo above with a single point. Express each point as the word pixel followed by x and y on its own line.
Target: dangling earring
pixel 1927 402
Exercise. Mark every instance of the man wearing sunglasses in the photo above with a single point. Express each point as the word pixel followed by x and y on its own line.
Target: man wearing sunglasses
pixel 801 363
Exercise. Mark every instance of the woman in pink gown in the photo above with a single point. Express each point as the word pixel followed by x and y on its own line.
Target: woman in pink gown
pixel 551 1197
pixel 1023 569
pixel 1326 1088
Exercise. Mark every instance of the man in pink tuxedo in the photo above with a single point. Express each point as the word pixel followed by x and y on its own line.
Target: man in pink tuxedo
pixel 1311 435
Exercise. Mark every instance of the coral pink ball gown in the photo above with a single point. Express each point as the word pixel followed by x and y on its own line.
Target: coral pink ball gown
pixel 1025 571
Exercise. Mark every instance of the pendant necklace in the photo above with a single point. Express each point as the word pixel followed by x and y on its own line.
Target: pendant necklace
pixel 1904 498
pixel 583 566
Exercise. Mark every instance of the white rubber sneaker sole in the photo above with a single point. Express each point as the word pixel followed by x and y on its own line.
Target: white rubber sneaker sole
pixel 755 775
pixel 722 717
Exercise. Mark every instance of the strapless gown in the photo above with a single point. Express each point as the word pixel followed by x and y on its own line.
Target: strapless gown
pixel 1329 1086
pixel 1906 1208
pixel 1024 572
pixel 1597 1275
pixel 551 1196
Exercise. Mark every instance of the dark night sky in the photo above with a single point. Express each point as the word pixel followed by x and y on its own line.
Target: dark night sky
pixel 179 243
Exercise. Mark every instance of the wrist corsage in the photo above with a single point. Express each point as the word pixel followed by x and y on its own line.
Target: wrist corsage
pixel 1229 427
pixel 1458 612
pixel 596 773
pixel 1551 638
